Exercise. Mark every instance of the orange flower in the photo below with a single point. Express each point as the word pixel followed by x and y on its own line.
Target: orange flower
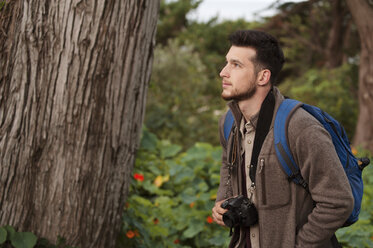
pixel 155 221
pixel 354 151
pixel 209 220
pixel 176 241
pixel 139 177
pixel 130 234
pixel 191 205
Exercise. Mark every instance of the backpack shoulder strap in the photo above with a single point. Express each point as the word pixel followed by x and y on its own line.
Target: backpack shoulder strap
pixel 284 155
pixel 228 123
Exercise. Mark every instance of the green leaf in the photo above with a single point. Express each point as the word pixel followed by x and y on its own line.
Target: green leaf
pixel 155 190
pixel 218 240
pixel 10 230
pixel 3 235
pixel 195 154
pixel 189 195
pixel 204 197
pixel 164 200
pixel 44 243
pixel 181 225
pixel 23 240
pixel 216 154
pixel 169 150
pixel 154 168
pixel 184 175
pixel 191 232
pixel 158 230
pixel 203 187
pixel 148 141
pixel 175 168
pixel 142 201
pixel 195 227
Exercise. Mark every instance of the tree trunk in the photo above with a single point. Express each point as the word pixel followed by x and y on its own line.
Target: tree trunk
pixel 334 49
pixel 73 82
pixel 362 13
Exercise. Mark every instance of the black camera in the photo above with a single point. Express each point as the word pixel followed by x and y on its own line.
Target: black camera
pixel 241 211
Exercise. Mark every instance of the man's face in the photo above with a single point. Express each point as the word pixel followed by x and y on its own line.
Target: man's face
pixel 239 76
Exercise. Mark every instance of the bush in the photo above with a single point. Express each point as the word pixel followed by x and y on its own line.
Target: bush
pixel 181 98
pixel 332 90
pixel 172 194
pixel 10 238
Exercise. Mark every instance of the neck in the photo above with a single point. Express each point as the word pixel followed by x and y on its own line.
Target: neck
pixel 251 106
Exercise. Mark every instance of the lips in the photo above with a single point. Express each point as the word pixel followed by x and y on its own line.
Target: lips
pixel 226 84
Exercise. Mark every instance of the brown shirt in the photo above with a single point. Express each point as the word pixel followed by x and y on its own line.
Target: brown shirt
pixel 248 133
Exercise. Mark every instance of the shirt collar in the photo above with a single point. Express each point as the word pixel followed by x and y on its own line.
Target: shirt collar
pixel 253 121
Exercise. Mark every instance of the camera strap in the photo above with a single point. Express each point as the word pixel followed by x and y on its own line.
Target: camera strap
pixel 263 125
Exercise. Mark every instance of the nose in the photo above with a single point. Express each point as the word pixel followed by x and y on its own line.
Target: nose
pixel 224 72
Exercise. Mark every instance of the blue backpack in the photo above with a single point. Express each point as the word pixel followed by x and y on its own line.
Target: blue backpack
pixel 352 166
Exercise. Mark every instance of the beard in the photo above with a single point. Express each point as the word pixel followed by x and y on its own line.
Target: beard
pixel 240 96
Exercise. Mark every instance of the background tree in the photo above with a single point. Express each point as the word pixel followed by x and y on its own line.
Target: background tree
pixel 183 104
pixel 173 18
pixel 321 47
pixel 315 33
pixel 73 80
pixel 362 12
pixel 176 105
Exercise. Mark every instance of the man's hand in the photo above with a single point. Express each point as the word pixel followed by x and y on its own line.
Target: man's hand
pixel 217 213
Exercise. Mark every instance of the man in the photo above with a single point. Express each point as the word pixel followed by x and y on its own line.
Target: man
pixel 288 215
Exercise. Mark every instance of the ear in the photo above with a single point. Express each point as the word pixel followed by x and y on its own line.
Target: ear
pixel 263 77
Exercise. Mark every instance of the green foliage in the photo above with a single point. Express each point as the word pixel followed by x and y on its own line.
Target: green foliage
pixel 332 90
pixel 170 202
pixel 2 4
pixel 3 235
pixel 183 103
pixel 16 239
pixel 360 234
pixel 61 243
pixel 177 109
pixel 172 194
pixel 311 37
pixel 10 238
pixel 173 18
pixel 23 240
pixel 210 40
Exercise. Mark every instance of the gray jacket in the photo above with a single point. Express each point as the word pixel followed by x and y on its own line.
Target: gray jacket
pixel 289 216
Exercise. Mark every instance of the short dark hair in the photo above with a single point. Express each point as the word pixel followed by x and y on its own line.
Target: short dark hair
pixel 269 54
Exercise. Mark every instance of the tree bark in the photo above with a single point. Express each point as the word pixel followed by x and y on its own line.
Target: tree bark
pixel 362 13
pixel 73 82
pixel 334 49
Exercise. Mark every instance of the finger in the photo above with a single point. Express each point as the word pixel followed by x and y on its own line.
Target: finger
pixel 219 209
pixel 217 214
pixel 218 219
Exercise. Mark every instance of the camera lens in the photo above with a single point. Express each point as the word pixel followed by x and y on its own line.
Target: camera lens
pixel 230 219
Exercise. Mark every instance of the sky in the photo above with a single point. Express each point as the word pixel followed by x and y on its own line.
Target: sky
pixel 233 9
